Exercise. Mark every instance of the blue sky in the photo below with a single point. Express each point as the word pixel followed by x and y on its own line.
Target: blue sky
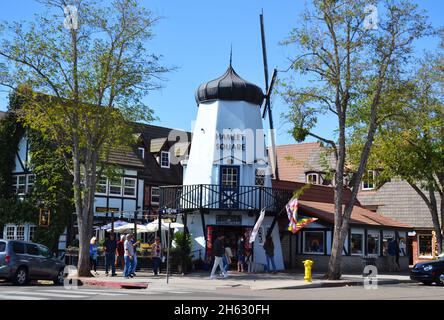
pixel 196 36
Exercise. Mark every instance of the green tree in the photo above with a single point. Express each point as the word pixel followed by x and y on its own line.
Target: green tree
pixel 348 53
pixel 409 143
pixel 52 185
pixel 86 77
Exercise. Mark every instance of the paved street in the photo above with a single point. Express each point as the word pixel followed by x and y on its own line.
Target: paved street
pixel 387 292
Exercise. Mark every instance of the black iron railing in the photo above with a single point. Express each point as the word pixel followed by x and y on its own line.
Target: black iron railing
pixel 217 197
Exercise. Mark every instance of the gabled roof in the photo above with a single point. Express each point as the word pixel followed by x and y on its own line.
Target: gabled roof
pixel 294 160
pixel 155 139
pixel 125 157
pixel 315 192
pixel 360 216
pixel 157 144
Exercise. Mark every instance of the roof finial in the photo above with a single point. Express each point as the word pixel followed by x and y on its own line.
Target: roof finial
pixel 231 55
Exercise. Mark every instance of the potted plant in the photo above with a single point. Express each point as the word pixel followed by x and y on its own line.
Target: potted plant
pixel 180 254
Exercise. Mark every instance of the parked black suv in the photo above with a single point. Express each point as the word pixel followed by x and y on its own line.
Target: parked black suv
pixel 22 261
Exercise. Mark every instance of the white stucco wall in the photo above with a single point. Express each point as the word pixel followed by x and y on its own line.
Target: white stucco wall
pixel 226 117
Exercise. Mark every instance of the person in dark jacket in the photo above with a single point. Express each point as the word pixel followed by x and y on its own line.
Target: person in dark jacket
pixel 219 252
pixel 110 255
pixel 393 253
pixel 269 252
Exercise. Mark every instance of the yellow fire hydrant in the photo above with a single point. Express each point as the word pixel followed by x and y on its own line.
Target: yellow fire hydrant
pixel 308 264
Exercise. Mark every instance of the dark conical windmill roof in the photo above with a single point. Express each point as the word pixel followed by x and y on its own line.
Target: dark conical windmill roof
pixel 230 86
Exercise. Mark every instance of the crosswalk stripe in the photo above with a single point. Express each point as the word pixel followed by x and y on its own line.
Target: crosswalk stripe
pixel 53 295
pixel 22 297
pixel 77 292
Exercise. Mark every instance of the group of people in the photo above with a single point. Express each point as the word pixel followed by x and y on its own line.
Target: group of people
pixel 223 253
pixel 123 253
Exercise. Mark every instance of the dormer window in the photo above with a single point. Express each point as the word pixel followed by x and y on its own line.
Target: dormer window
pixel 141 152
pixel 368 181
pixel 312 178
pixel 165 159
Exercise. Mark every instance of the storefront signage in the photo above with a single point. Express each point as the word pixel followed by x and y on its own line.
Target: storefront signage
pixel 229 220
pixel 230 141
pixel 103 209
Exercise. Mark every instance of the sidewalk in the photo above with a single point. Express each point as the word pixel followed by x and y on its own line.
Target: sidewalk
pixel 252 281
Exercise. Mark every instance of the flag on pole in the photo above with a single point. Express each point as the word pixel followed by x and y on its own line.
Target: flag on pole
pixel 292 212
pixel 257 226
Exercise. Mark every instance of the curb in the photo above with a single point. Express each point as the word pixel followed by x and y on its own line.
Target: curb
pixel 113 284
pixel 341 284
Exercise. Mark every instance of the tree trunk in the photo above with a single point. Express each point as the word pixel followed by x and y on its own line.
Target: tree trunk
pixel 84 263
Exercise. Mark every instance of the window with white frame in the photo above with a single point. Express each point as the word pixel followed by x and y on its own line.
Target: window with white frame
pixel 368 180
pixel 165 159
pixel 155 195
pixel 20 233
pixel 129 187
pixel 32 232
pixel 115 187
pixel 20 184
pixel 30 183
pixel 373 243
pixel 23 183
pixel 102 185
pixel 260 177
pixel 357 244
pixel 10 232
pixel 313 242
pixel 312 178
pixel 24 232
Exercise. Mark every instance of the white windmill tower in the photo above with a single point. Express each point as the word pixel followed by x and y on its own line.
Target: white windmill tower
pixel 227 179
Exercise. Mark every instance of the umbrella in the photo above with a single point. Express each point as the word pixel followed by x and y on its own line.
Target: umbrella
pixel 108 226
pixel 128 227
pixel 154 225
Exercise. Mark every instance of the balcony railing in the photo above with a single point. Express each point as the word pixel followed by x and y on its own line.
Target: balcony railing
pixel 216 197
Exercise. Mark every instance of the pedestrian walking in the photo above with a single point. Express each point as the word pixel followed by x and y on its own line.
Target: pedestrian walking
pixel 110 255
pixel 393 253
pixel 240 254
pixel 135 244
pixel 129 257
pixel 269 253
pixel 93 249
pixel 227 256
pixel 156 254
pixel 218 257
pixel 120 252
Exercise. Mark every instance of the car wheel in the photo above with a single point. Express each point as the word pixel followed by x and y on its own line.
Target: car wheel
pixel 60 279
pixel 440 280
pixel 21 277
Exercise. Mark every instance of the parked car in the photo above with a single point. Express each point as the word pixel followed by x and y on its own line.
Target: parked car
pixel 429 272
pixel 22 261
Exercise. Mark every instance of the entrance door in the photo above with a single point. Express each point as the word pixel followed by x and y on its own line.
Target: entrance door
pixel 229 187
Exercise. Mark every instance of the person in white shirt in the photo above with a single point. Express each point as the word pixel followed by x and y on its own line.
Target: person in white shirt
pixel 129 256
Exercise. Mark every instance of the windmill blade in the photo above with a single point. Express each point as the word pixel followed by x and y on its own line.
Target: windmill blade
pixel 264 56
pixel 267 105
